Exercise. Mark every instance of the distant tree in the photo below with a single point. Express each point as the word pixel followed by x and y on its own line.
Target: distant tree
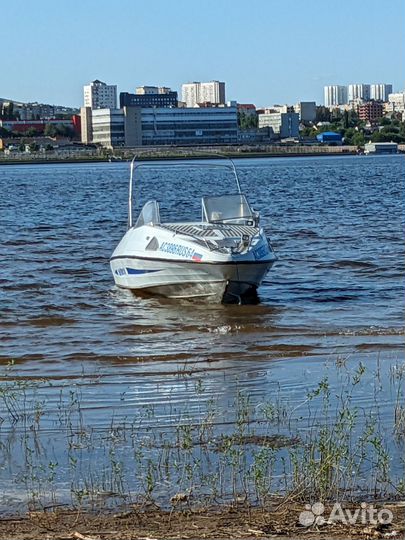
pixel 385 121
pixel 247 121
pixel 34 147
pixel 353 118
pixel 390 129
pixel 322 114
pixel 309 131
pixel 61 130
pixel 388 136
pixel 336 115
pixel 50 130
pixel 30 132
pixel 4 132
pixel 65 131
pixel 358 139
pixel 329 127
pixel 348 136
pixel 63 116
pixel 346 123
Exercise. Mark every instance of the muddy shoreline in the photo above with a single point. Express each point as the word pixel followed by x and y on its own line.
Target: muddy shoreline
pixel 278 520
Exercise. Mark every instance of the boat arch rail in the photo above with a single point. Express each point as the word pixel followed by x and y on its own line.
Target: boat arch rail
pixel 229 165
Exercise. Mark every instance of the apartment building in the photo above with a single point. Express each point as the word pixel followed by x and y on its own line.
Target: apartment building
pixel 99 95
pixel 356 92
pixel 203 92
pixel 335 95
pixel 380 92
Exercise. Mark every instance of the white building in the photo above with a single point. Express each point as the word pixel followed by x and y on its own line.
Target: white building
pixel 108 127
pixel 397 101
pixel 99 95
pixel 280 108
pixel 335 95
pixel 112 127
pixel 358 91
pixel 190 93
pixel 212 92
pixel 381 148
pixel 198 92
pixel 380 92
pixel 147 90
pixel 284 124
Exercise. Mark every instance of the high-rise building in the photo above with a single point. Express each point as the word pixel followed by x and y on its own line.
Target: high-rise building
pixel 335 95
pixel 358 91
pixel 190 93
pixel 380 92
pixel 212 92
pixel 99 95
pixel 206 92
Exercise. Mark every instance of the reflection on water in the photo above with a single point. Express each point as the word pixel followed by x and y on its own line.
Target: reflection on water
pixel 336 294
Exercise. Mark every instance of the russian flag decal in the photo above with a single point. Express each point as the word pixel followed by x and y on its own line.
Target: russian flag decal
pixel 196 257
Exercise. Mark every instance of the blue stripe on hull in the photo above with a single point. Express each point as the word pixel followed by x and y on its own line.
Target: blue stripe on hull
pixel 134 271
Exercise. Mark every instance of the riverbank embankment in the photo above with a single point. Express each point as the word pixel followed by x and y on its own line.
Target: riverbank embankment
pixel 177 152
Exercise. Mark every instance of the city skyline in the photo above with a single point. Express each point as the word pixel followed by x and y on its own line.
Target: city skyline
pixel 266 54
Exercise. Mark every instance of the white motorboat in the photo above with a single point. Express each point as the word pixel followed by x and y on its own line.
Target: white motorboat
pixel 225 255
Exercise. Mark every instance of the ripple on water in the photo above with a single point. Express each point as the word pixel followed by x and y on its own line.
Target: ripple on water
pixel 334 298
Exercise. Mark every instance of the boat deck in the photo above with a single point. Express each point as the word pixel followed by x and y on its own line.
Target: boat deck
pixel 212 230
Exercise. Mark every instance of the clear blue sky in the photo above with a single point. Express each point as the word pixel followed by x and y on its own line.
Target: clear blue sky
pixel 267 51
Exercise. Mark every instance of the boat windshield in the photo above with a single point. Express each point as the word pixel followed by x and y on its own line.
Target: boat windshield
pixel 149 214
pixel 226 208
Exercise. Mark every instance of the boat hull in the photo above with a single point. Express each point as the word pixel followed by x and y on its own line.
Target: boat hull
pixel 188 279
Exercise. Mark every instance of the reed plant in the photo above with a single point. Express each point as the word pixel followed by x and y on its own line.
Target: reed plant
pixel 325 448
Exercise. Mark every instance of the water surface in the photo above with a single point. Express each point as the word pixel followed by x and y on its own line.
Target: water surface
pixel 335 295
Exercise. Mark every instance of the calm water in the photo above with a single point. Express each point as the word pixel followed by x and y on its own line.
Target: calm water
pixel 336 293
